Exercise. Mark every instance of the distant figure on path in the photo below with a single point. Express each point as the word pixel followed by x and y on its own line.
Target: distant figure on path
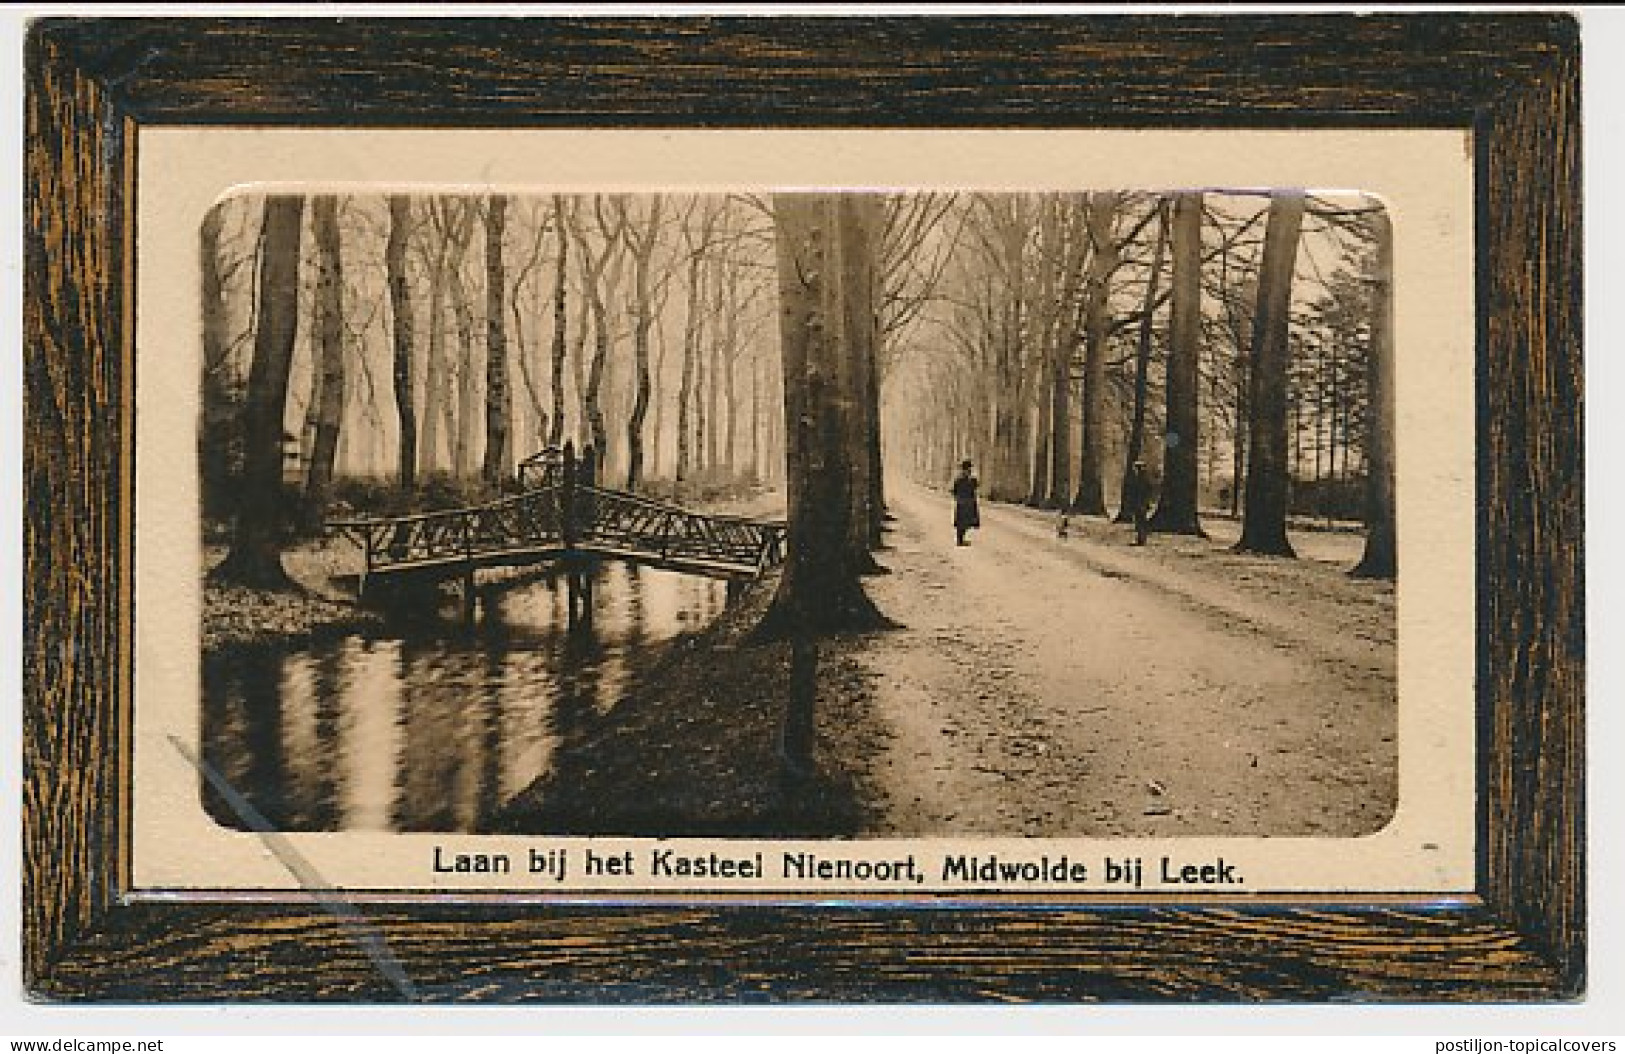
pixel 966 514
pixel 1137 496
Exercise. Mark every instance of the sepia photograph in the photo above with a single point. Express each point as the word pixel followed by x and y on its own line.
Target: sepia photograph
pixel 919 514
pixel 968 514
pixel 740 509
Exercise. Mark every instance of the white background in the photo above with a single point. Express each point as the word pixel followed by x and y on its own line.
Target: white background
pixel 1602 1014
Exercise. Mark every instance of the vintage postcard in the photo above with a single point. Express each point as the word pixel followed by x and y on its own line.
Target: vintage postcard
pixel 804 514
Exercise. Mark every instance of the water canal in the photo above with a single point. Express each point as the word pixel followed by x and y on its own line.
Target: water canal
pixel 428 726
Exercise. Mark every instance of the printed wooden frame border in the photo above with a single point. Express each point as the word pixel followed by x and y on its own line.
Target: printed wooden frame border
pixel 94 84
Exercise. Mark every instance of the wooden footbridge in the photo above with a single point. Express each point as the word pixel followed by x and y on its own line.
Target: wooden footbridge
pixel 560 517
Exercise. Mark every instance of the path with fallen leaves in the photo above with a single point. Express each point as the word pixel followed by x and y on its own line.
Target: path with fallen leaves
pixel 1080 686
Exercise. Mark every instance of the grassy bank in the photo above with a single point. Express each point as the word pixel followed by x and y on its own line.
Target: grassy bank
pixel 693 750
pixel 319 606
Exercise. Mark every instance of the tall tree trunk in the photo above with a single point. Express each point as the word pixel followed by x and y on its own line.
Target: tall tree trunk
pixel 255 558
pixel 330 344
pixel 1046 316
pixel 1321 438
pixel 1009 424
pixel 307 345
pixel 400 306
pixel 454 225
pixel 685 393
pixel 730 435
pixel 464 428
pixel 1090 499
pixel 1264 517
pixel 713 356
pixel 498 397
pixel 877 464
pixel 1142 364
pixel 214 454
pixel 858 223
pixel 756 423
pixel 591 398
pixel 657 401
pixel 1060 437
pixel 820 590
pixel 578 360
pixel 1040 448
pixel 643 306
pixel 1242 327
pixel 436 376
pixel 519 311
pixel 1381 559
pixel 344 451
pixel 555 432
pixel 1177 509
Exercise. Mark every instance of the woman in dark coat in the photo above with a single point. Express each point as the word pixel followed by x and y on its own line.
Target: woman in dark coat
pixel 966 514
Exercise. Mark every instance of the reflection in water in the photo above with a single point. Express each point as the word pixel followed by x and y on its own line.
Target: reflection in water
pixel 434 732
pixel 370 740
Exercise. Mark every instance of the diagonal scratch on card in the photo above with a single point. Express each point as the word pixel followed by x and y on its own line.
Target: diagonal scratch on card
pixel 326 894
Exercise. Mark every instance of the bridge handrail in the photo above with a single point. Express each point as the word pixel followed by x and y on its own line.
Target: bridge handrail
pixel 606 516
pixel 363 522
pixel 665 506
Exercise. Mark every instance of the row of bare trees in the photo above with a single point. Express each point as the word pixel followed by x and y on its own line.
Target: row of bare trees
pixel 422 337
pixel 1240 342
pixel 1053 338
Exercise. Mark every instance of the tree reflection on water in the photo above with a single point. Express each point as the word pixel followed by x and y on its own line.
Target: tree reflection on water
pixel 434 728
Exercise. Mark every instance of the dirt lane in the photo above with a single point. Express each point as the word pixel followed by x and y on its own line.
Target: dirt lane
pixel 1083 687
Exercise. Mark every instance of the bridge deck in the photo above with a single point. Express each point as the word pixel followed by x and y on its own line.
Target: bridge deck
pixel 559 521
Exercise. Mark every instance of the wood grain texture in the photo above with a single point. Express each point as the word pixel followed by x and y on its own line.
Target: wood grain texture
pixel 73 488
pixel 1512 78
pixel 618 955
pixel 814 72
pixel 1531 570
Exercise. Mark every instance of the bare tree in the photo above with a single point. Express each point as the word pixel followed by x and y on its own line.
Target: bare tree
pixel 859 218
pixel 820 590
pixel 452 222
pixel 465 415
pixel 498 399
pixel 1091 495
pixel 605 274
pixel 255 558
pixel 519 311
pixel 698 244
pixel 1264 522
pixel 1177 509
pixel 220 379
pixel 1142 362
pixel 330 344
pixel 1380 559
pixel 1045 311
pixel 641 241
pixel 555 432
pixel 400 303
pixel 1011 216
pixel 1062 335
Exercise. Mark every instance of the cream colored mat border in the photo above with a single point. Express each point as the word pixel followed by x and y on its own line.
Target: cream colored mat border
pixel 1424 176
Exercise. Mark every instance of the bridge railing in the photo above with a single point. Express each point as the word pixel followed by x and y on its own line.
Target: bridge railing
pixel 672 533
pixel 531 519
pixel 569 517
